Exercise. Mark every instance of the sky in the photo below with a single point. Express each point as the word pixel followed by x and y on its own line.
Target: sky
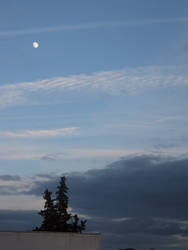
pixel 102 100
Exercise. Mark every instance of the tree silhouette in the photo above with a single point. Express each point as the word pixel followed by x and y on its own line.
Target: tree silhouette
pixel 48 213
pixel 55 213
pixel 75 224
pixel 62 205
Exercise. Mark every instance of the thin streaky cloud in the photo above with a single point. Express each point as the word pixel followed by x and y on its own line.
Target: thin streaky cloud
pixel 39 133
pixel 12 202
pixel 96 25
pixel 73 153
pixel 37 153
pixel 115 82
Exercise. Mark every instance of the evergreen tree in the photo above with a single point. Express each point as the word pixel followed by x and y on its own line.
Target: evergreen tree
pixel 83 225
pixel 74 225
pixel 48 214
pixel 76 228
pixel 55 214
pixel 61 206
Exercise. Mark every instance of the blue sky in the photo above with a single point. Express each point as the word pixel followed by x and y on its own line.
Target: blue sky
pixel 109 80
pixel 112 74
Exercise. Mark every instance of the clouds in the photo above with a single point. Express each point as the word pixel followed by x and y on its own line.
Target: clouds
pixel 143 197
pixel 138 186
pixel 10 178
pixel 96 25
pixel 8 96
pixel 18 220
pixel 54 152
pixel 39 133
pixel 45 152
pixel 21 202
pixel 141 186
pixel 115 82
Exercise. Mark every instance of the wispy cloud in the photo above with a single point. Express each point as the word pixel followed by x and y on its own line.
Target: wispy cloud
pixel 158 122
pixel 122 81
pixel 39 133
pixel 96 25
pixel 8 178
pixel 41 152
pixel 13 202
pixel 27 153
pixel 8 96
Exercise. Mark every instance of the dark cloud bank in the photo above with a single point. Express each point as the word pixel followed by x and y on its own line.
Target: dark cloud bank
pixel 139 202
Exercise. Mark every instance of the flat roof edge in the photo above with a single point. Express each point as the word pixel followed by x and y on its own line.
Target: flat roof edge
pixel 9 231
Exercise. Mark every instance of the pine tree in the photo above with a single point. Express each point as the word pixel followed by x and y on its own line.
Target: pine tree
pixel 48 214
pixel 76 228
pixel 83 225
pixel 61 206
pixel 55 214
pixel 74 225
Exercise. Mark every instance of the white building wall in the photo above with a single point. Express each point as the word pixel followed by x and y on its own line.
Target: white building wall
pixel 48 241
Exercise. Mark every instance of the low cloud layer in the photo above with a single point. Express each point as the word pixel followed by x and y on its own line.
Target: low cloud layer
pixel 143 197
pixel 10 178
pixel 18 220
pixel 139 186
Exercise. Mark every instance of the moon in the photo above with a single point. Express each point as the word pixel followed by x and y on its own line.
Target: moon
pixel 35 45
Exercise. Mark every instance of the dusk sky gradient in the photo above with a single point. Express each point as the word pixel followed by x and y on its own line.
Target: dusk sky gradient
pixel 103 99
